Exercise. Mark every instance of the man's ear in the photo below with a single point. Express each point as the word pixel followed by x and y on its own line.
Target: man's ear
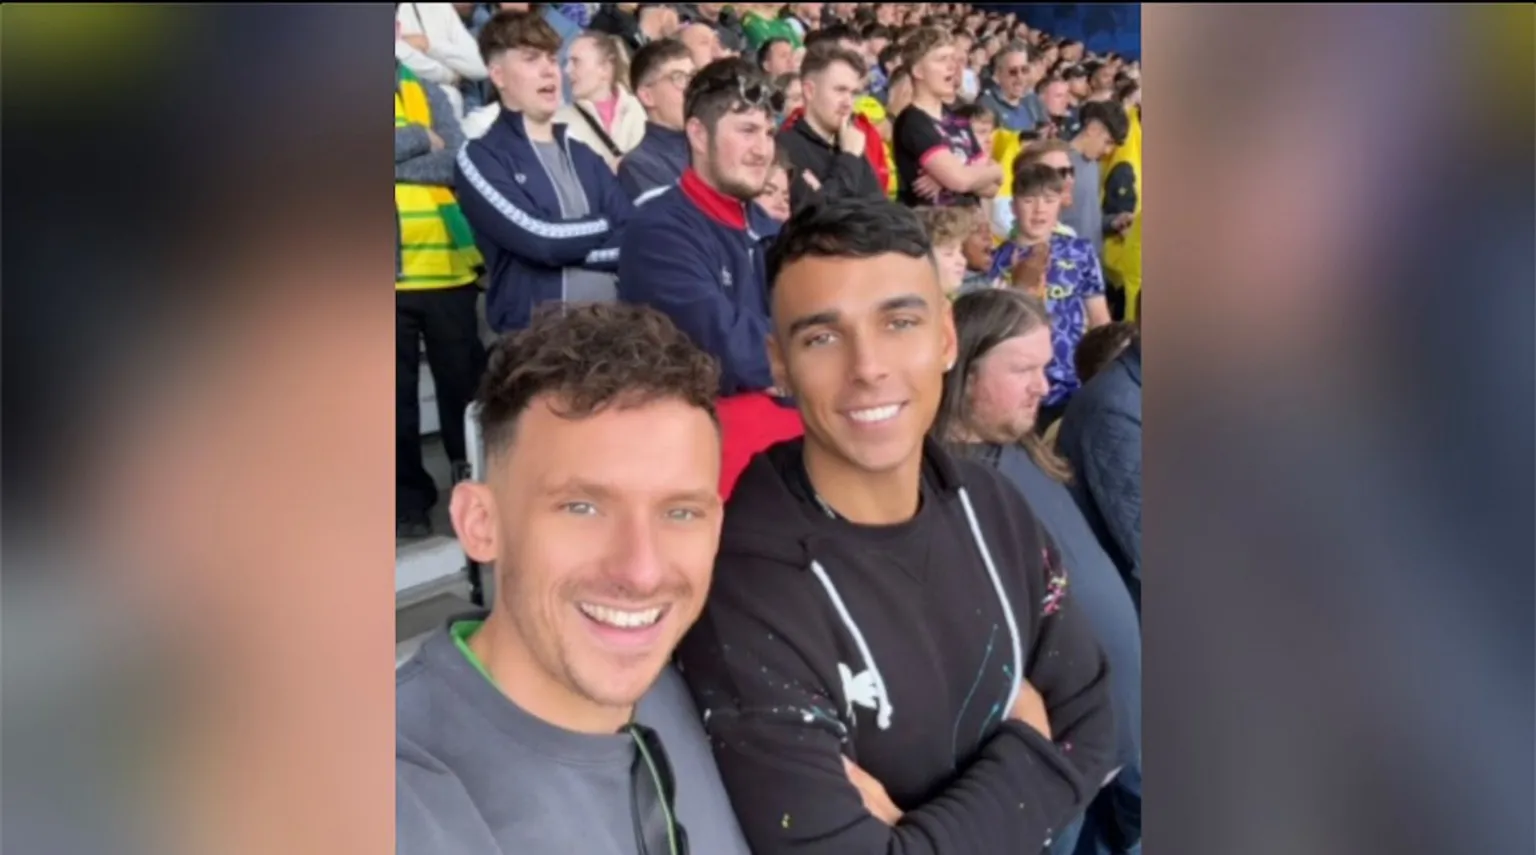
pixel 473 512
pixel 698 135
pixel 647 97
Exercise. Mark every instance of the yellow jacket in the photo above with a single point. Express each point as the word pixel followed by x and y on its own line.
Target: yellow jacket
pixel 1122 253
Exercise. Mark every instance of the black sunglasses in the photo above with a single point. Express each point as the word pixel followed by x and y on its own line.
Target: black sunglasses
pixel 1065 172
pixel 653 796
pixel 748 96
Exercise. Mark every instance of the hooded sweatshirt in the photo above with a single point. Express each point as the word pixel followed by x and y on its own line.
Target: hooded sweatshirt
pixel 839 173
pixel 899 647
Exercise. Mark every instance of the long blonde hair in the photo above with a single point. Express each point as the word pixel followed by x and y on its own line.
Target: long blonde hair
pixel 611 48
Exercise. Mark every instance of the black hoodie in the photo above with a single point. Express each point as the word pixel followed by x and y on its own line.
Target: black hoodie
pixel 897 646
pixel 838 172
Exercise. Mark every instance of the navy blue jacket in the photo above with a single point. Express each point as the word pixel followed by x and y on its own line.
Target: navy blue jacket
pixel 697 256
pixel 658 161
pixel 1101 435
pixel 527 239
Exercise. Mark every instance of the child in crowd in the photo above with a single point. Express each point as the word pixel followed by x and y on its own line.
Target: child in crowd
pixel 983 123
pixel 977 248
pixel 947 230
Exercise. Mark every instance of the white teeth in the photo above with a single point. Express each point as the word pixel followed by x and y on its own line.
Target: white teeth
pixel 619 618
pixel 875 414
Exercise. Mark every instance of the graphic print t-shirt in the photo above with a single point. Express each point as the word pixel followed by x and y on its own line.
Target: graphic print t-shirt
pixel 916 137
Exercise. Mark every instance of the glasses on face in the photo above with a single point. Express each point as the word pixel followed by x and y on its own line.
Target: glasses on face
pixel 653 796
pixel 1016 70
pixel 1066 173
pixel 678 78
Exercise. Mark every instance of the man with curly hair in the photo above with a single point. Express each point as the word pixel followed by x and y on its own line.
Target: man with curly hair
pixel 553 723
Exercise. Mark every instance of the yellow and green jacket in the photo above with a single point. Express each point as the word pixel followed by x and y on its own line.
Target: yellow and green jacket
pixel 434 245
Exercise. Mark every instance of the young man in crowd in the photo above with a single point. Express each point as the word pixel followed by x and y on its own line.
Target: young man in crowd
pixel 1052 108
pixel 991 399
pixel 1012 81
pixel 938 159
pixel 827 144
pixel 658 76
pixel 776 57
pixel 547 211
pixel 1074 281
pixel 1104 126
pixel 889 660
pixel 435 271
pixel 696 251
pixel 554 723
pixel 703 43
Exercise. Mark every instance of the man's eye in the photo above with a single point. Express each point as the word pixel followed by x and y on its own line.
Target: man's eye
pixel 817 340
pixel 584 509
pixel 903 323
pixel 684 514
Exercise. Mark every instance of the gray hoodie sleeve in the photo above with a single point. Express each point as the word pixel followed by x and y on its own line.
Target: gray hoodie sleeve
pixel 426 166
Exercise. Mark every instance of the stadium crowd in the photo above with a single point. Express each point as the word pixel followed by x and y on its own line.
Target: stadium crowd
pixel 727 221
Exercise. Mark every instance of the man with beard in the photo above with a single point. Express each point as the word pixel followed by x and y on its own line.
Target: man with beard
pixel 695 250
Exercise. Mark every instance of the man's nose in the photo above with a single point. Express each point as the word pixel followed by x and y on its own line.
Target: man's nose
pixel 634 558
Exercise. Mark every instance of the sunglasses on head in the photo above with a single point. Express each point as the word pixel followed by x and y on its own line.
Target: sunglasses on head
pixel 749 96
pixel 653 796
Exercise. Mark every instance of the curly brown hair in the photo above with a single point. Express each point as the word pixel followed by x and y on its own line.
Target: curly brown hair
pixel 589 357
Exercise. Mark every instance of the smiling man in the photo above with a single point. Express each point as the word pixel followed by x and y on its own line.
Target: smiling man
pixel 553 724
pixel 889 660
pixel 695 251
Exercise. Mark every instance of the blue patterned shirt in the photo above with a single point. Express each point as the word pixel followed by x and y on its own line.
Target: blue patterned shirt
pixel 1073 277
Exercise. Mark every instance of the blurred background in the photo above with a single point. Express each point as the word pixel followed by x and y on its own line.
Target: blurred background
pixel 197 613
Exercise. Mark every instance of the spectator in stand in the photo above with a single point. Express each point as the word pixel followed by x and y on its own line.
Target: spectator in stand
pixel 774 200
pixel 659 76
pixel 991 399
pixel 1057 155
pixel 983 124
pixel 970 83
pixel 776 57
pixel 803 17
pixel 977 249
pixel 865 655
pixel 947 229
pixel 435 294
pixel 1101 435
pixel 695 252
pixel 1100 347
pixel 1101 80
pixel 877 40
pixel 1008 96
pixel 547 211
pixel 1051 108
pixel 1104 127
pixel 1122 211
pixel 725 20
pixel 604 114
pixel 760 24
pixel 827 143
pixel 938 160
pixel 1077 82
pixel 432 41
pixel 1074 282
pixel 702 42
pixel 599 514
pixel 788 96
pixel 638 24
pixel 1072 51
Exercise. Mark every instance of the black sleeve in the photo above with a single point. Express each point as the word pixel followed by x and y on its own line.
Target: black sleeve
pixel 916 135
pixel 775 722
pixel 1066 664
pixel 1120 190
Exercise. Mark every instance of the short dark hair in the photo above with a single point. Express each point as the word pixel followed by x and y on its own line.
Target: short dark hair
pixel 833 34
pixel 847 227
pixel 512 30
pixel 1035 179
pixel 652 57
pixel 1047 81
pixel 729 85
pixel 767 50
pixel 592 356
pixel 1109 114
pixel 973 111
pixel 1099 347
pixel 876 31
pixel 825 55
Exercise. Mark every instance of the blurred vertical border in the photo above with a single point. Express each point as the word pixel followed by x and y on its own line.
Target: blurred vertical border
pixel 197 600
pixel 1339 422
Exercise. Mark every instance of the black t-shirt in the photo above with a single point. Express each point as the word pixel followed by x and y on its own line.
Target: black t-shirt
pixel 917 135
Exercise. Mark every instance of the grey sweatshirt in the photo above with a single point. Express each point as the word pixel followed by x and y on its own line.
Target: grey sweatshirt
pixel 475 774
pixel 415 161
